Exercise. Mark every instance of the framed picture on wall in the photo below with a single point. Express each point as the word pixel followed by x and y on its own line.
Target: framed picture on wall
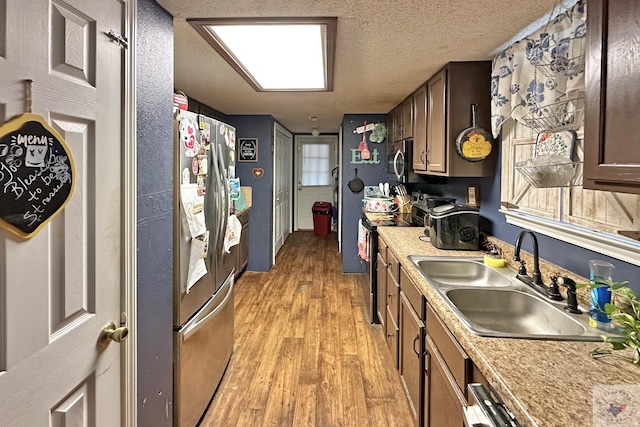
pixel 247 149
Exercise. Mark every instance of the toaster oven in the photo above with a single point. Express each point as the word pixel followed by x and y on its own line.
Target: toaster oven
pixel 455 227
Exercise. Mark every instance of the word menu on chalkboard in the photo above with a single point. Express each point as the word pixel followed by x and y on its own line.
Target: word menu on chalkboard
pixel 36 174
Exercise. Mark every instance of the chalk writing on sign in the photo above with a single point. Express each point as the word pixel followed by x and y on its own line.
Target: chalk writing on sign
pixel 36 174
pixel 248 149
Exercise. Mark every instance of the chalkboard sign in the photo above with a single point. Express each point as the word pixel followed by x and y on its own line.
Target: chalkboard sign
pixel 36 174
pixel 248 149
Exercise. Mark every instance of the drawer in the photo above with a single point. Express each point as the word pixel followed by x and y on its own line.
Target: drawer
pixel 394 267
pixel 382 248
pixel 454 356
pixel 414 296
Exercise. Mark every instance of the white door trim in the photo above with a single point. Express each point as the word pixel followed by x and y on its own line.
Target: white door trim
pixel 297 141
pixel 274 152
pixel 129 263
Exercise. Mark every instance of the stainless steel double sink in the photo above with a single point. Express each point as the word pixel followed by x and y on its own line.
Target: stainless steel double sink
pixel 491 301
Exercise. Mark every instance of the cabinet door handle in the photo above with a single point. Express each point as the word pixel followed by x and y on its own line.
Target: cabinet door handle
pixel 414 345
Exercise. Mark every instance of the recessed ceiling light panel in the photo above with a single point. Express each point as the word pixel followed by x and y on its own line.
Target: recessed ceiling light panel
pixel 276 54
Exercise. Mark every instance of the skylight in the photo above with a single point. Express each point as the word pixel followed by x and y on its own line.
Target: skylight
pixel 275 54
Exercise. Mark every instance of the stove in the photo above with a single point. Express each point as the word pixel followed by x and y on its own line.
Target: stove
pixel 371 221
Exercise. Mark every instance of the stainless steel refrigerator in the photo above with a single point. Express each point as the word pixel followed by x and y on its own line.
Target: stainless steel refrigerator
pixel 203 273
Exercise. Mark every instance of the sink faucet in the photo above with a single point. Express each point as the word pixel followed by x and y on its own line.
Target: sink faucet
pixel 536 280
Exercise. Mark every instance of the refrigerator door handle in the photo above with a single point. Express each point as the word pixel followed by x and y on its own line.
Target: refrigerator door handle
pixel 216 192
pixel 224 217
pixel 198 321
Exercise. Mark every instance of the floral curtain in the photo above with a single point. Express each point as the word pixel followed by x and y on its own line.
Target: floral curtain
pixel 539 81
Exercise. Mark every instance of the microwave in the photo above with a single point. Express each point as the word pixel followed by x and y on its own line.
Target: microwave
pixel 399 159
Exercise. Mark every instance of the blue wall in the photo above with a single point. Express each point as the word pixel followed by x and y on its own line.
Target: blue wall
pixel 260 215
pixel 568 256
pixel 154 334
pixel 371 174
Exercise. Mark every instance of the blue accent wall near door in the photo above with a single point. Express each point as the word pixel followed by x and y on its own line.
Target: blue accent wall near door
pixel 154 333
pixel 261 213
pixel 371 174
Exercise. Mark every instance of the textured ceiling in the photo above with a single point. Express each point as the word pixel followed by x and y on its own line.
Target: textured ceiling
pixel 385 50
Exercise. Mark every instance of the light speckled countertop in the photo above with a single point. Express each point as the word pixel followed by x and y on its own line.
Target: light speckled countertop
pixel 544 383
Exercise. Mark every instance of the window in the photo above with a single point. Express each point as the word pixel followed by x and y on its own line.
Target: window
pixel 316 167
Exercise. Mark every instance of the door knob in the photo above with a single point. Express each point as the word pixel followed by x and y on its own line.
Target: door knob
pixel 111 332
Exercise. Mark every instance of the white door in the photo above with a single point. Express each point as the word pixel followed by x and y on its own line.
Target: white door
pixel 315 159
pixel 281 188
pixel 63 285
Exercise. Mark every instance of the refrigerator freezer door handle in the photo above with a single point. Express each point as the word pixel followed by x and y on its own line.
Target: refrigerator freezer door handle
pixel 216 191
pixel 196 323
pixel 224 217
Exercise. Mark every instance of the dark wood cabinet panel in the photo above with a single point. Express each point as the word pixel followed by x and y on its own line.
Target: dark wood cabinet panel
pixel 407 118
pixel 420 129
pixel 457 360
pixel 391 335
pixel 450 94
pixel 240 252
pixel 411 345
pixel 445 398
pixel 393 296
pixel 426 388
pixel 391 128
pixel 612 85
pixel 397 123
pixel 436 123
pixel 382 289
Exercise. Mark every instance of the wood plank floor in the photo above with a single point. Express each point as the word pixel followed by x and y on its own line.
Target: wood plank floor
pixel 304 355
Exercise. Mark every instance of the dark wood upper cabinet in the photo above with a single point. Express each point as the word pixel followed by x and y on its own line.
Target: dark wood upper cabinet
pixel 612 85
pixel 407 118
pixel 451 93
pixel 420 129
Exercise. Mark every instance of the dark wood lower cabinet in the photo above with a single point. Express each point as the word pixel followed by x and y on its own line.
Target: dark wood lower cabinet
pixel 382 289
pixel 392 336
pixel 240 252
pixel 445 398
pixel 411 344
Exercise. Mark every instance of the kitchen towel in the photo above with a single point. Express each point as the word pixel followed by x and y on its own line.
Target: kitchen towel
pixel 363 241
pixel 232 236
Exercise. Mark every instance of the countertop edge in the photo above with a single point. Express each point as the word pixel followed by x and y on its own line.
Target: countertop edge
pixel 497 358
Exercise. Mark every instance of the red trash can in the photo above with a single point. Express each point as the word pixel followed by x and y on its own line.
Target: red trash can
pixel 321 218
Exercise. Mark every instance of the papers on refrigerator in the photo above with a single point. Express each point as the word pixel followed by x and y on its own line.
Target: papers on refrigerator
pixel 197 266
pixel 232 236
pixel 193 208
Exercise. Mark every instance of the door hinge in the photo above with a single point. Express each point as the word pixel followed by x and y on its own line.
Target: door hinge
pixel 118 39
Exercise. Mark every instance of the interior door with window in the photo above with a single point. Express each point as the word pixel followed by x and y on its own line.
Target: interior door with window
pixel 315 159
pixel 59 288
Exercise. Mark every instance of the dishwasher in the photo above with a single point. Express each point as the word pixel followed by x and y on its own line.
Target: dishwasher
pixel 486 410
